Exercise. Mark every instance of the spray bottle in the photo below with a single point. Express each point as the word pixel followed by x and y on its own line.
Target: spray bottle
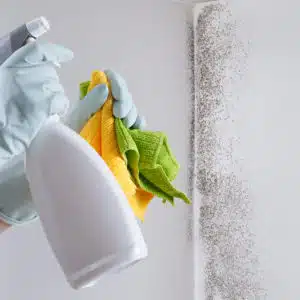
pixel 84 212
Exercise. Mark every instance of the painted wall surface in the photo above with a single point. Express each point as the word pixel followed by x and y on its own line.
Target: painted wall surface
pixel 145 42
pixel 269 124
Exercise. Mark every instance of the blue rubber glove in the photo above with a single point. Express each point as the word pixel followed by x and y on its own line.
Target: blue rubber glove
pixel 30 93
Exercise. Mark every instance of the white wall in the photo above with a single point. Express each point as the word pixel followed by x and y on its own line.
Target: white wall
pixel 270 137
pixel 144 41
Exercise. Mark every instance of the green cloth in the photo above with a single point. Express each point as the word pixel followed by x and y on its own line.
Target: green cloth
pixel 150 161
pixel 83 88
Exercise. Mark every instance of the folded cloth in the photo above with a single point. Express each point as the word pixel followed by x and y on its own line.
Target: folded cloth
pixel 100 133
pixel 150 161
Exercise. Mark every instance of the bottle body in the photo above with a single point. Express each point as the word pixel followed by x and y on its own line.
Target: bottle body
pixel 85 214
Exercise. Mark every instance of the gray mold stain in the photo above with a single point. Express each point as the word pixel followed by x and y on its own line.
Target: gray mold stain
pixel 232 265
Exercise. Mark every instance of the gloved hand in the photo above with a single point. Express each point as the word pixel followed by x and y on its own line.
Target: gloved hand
pixel 30 92
pixel 123 106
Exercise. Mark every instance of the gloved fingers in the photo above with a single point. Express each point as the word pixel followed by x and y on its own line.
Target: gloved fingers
pixel 140 123
pixel 122 108
pixel 42 89
pixel 33 78
pixel 59 103
pixel 52 53
pixel 131 117
pixel 118 86
pixel 120 93
pixel 38 85
pixel 86 107
pixel 96 97
pixel 42 101
pixel 37 53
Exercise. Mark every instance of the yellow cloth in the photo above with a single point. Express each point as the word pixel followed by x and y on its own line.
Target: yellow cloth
pixel 100 133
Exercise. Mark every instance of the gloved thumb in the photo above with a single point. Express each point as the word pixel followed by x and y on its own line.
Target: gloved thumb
pixel 37 53
pixel 86 107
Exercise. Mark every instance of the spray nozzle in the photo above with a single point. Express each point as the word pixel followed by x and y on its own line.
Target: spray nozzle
pixel 38 27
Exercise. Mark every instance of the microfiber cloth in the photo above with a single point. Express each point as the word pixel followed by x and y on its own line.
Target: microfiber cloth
pixel 100 133
pixel 150 161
